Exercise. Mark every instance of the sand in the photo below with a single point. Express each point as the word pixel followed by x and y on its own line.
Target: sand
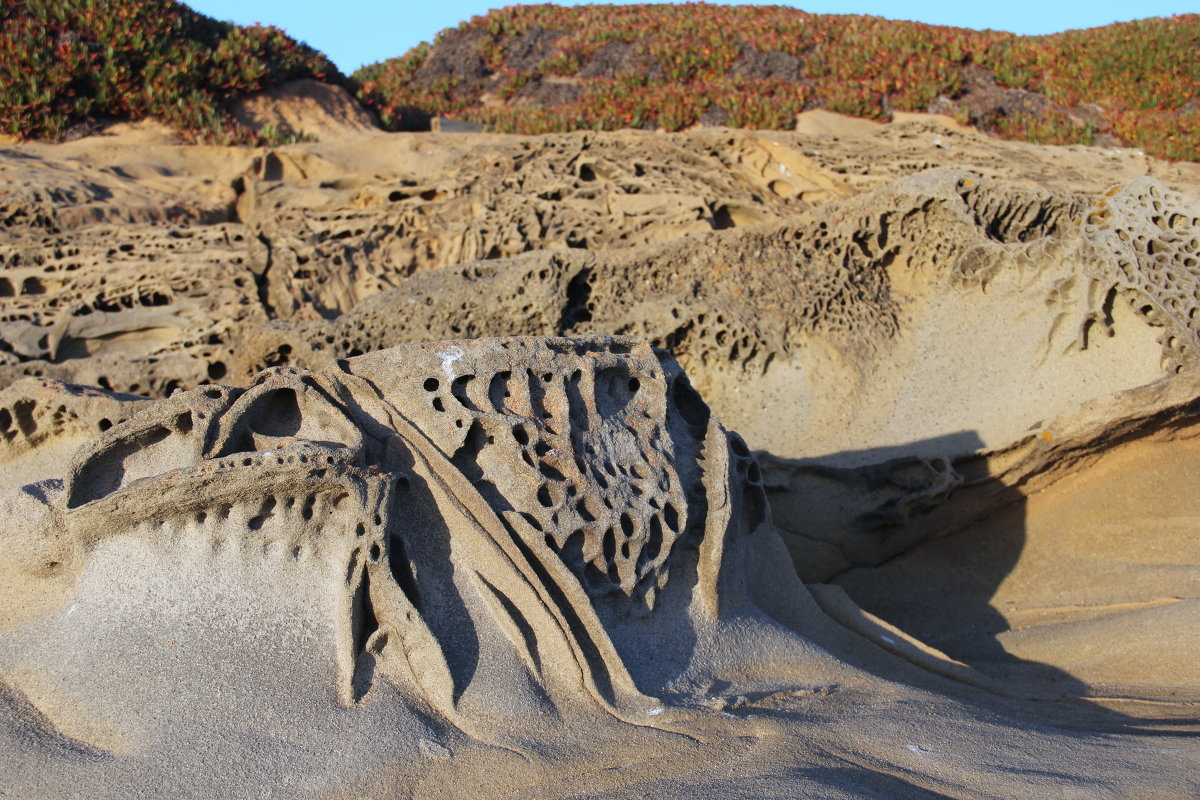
pixel 405 465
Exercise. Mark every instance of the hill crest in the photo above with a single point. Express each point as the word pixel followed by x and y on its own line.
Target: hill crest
pixel 545 68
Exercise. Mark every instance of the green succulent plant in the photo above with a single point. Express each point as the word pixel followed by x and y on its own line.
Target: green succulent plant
pixel 1143 74
pixel 64 62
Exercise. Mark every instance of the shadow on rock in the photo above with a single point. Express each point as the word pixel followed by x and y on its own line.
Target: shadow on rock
pixel 912 551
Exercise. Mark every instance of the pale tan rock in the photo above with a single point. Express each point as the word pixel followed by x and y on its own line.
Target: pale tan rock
pixel 538 566
pixel 305 107
pixel 322 228
pixel 820 122
pixel 500 563
pixel 1067 554
pixel 922 120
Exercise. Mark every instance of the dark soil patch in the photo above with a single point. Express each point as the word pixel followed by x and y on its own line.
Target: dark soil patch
pixel 458 57
pixel 547 94
pixel 615 58
pixel 768 65
pixel 527 51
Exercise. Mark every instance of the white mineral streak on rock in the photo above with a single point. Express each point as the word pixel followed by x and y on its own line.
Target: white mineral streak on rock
pixel 449 356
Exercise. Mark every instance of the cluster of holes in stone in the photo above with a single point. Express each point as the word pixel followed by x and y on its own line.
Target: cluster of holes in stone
pixel 577 492
pixel 26 417
pixel 1167 268
pixel 308 507
pixel 1013 217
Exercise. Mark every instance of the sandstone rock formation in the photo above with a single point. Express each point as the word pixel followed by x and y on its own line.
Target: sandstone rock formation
pixel 1067 551
pixel 305 108
pixel 829 277
pixel 350 546
pixel 512 561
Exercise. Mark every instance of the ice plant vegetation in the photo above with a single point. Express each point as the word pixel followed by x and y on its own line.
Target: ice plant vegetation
pixel 665 66
pixel 65 63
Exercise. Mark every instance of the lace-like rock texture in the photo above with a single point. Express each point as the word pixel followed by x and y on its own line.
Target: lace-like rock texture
pixel 729 299
pixel 556 479
pixel 582 447
pixel 1151 237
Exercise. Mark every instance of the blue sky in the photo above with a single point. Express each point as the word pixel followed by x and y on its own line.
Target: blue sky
pixel 357 32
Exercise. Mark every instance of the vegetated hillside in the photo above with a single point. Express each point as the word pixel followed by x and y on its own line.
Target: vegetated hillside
pixel 66 63
pixel 544 68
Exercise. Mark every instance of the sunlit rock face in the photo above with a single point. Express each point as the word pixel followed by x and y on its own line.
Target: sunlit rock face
pixel 498 566
pixel 470 534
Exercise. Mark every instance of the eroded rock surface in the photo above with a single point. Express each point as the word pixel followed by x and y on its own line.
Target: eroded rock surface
pixel 855 323
pixel 538 566
pixel 1068 552
pixel 518 559
pixel 145 267
pixel 905 289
